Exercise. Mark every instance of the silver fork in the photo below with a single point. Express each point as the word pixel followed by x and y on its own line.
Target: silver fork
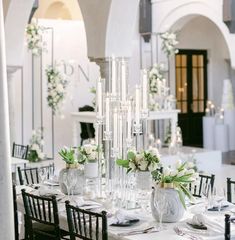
pixel 182 233
pixel 142 231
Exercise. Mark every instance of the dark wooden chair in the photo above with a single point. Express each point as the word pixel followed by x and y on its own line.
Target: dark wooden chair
pixel 41 218
pixel 207 180
pixel 228 219
pixel 16 222
pixel 20 151
pixel 28 176
pixel 230 190
pixel 85 224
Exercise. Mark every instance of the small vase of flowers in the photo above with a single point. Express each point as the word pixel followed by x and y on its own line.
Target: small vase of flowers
pixel 68 155
pixel 142 164
pixel 88 155
pixel 173 183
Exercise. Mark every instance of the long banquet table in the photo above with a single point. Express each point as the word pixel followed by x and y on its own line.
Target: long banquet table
pixel 146 220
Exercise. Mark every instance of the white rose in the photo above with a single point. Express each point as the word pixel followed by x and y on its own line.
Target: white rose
pixel 190 165
pixel 132 166
pixel 41 155
pixel 60 88
pixel 143 165
pixel 139 158
pixel 93 155
pixel 88 148
pixel 152 166
pixel 35 147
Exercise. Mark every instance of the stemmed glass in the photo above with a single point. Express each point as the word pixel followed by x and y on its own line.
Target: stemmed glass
pixel 43 173
pixel 70 180
pixel 220 196
pixel 159 203
pixel 207 194
pixel 73 179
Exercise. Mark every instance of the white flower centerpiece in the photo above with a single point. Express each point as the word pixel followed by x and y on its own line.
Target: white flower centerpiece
pixel 88 155
pixel 173 182
pixel 35 147
pixel 34 39
pixel 142 164
pixel 56 88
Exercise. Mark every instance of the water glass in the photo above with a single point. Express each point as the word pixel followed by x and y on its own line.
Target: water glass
pixel 160 204
pixel 219 196
pixel 43 173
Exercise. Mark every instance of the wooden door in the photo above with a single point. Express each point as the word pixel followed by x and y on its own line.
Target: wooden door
pixel 191 94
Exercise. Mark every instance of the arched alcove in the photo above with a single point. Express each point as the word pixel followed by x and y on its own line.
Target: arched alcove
pixel 58 10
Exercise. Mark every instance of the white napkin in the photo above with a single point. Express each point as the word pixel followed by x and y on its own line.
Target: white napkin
pixel 211 224
pixel 122 216
pixel 80 202
pixel 44 191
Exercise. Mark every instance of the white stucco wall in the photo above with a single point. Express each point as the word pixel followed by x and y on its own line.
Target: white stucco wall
pixel 201 33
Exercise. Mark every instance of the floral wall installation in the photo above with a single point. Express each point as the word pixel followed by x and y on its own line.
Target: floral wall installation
pixel 34 38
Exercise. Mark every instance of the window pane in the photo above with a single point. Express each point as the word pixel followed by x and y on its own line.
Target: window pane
pixel 195 84
pixel 178 84
pixel 195 106
pixel 184 60
pixel 201 83
pixel 200 61
pixel 184 107
pixel 184 84
pixel 177 60
pixel 194 60
pixel 201 106
pixel 178 105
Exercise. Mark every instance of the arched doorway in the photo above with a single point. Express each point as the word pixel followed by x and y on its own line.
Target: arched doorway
pixel 200 68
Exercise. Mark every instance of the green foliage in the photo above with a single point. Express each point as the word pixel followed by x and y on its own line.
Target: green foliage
pixel 68 155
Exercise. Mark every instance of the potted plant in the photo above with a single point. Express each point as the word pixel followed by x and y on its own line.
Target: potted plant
pixel 88 155
pixel 142 164
pixel 68 155
pixel 173 183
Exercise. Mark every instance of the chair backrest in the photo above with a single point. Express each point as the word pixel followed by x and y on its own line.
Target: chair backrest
pixel 196 189
pixel 230 190
pixel 28 176
pixel 43 210
pixel 20 151
pixel 85 224
pixel 15 212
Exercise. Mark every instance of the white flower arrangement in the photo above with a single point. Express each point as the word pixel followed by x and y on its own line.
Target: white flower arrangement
pixel 34 39
pixel 178 176
pixel 169 41
pixel 35 147
pixel 88 153
pixel 145 161
pixel 56 88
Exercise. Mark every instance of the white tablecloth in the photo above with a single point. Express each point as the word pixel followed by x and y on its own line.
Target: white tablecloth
pixel 167 234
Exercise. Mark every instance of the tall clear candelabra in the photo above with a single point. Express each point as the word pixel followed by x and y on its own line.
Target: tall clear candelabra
pixel 121 125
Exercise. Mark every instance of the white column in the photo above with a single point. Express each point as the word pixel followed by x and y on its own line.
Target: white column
pixel 11 101
pixel 6 200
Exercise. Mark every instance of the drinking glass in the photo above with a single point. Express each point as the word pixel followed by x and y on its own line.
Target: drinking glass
pixel 207 195
pixel 43 173
pixel 72 178
pixel 160 204
pixel 220 196
pixel 67 183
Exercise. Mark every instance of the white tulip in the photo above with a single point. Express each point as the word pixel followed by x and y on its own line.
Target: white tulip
pixel 143 165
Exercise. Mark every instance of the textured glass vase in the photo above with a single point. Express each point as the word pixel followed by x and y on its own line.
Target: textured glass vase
pixel 173 210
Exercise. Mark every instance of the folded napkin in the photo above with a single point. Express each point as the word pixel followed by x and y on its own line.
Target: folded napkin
pixel 202 222
pixel 51 182
pixel 44 191
pixel 80 202
pixel 198 222
pixel 123 218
